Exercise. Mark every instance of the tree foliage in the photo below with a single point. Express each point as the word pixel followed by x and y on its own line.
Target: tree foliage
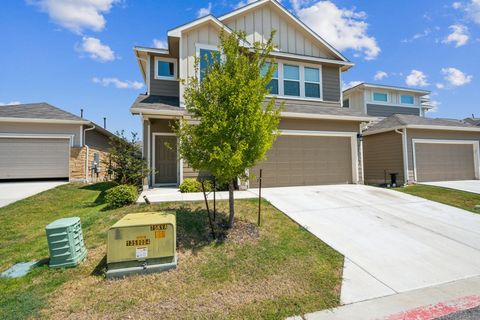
pixel 126 160
pixel 235 125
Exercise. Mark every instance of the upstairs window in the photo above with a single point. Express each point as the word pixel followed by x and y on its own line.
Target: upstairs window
pixel 346 103
pixel 207 58
pixel 273 85
pixel 380 97
pixel 312 82
pixel 407 99
pixel 291 82
pixel 165 68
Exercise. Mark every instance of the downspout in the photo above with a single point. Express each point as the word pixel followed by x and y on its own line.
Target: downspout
pixel 88 151
pixel 403 133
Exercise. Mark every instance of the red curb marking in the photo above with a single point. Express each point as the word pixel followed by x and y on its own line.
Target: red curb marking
pixel 437 310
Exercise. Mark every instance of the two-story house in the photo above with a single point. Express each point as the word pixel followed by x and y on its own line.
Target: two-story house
pixel 383 101
pixel 319 141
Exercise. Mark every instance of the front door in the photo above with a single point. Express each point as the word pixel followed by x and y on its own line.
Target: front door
pixel 165 159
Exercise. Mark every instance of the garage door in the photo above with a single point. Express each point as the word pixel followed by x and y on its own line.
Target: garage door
pixel 443 162
pixel 306 160
pixel 22 158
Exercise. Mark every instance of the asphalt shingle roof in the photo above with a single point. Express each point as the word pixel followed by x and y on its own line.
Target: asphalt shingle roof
pixel 162 103
pixel 36 111
pixel 473 121
pixel 400 120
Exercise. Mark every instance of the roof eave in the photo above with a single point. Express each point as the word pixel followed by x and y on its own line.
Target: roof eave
pixel 424 127
pixel 325 116
pixel 36 120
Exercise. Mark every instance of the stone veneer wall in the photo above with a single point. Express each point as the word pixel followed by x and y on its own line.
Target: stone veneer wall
pixel 77 164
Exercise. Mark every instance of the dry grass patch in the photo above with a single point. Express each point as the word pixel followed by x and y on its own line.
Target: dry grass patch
pixel 271 272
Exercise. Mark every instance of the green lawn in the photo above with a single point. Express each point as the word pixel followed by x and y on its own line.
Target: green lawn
pixel 271 272
pixel 460 199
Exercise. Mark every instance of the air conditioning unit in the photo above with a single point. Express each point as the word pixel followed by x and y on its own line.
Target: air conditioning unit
pixel 141 243
pixel 65 242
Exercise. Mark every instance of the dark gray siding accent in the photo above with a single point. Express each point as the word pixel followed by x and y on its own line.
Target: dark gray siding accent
pixel 95 139
pixel 377 110
pixel 162 87
pixel 331 83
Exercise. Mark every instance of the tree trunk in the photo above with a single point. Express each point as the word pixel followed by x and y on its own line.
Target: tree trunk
pixel 232 204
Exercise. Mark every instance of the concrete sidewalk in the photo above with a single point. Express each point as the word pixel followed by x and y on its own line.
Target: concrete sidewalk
pixel 173 195
pixel 422 304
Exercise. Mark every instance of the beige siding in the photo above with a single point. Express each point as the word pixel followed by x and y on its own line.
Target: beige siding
pixel 435 134
pixel 357 101
pixel 289 36
pixel 318 125
pixel 382 155
pixel 43 128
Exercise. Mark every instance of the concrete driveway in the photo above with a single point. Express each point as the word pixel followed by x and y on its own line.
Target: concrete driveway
pixel 392 242
pixel 13 191
pixel 465 185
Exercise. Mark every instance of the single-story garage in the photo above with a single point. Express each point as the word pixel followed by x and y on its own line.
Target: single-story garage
pixel 421 149
pixel 40 141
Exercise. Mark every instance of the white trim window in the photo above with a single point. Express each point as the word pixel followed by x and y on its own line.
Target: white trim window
pixel 273 84
pixel 407 99
pixel 380 96
pixel 312 82
pixel 205 51
pixel 165 68
pixel 291 80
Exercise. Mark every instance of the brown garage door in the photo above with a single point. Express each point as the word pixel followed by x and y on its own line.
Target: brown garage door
pixel 443 162
pixel 22 158
pixel 306 160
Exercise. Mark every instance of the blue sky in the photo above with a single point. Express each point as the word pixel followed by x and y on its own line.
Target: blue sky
pixel 78 54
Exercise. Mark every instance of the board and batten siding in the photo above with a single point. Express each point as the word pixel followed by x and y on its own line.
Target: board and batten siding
pixel 382 155
pixel 381 110
pixel 436 135
pixel 259 23
pixel 331 83
pixel 169 88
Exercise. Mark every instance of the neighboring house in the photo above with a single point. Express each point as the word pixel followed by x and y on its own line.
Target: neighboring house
pixel 383 101
pixel 40 141
pixel 319 142
pixel 421 149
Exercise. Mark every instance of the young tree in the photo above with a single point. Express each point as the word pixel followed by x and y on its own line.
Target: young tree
pixel 126 161
pixel 234 125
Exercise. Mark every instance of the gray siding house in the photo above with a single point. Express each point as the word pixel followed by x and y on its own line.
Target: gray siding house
pixel 319 141
pixel 40 141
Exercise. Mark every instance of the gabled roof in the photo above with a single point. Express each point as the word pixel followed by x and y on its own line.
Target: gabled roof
pixel 363 85
pixel 296 20
pixel 38 111
pixel 473 121
pixel 177 32
pixel 400 121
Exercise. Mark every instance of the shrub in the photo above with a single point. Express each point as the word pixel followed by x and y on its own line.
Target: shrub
pixel 193 185
pixel 121 195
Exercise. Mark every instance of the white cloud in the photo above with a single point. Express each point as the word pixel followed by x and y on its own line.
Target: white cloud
pixel 459 35
pixel 456 5
pixel 120 84
pixel 380 75
pixel 417 78
pixel 350 84
pixel 418 35
pixel 439 85
pixel 11 103
pixel 342 28
pixel 96 49
pixel 160 44
pixel 76 15
pixel 243 3
pixel 204 11
pixel 434 104
pixel 456 77
pixel 473 10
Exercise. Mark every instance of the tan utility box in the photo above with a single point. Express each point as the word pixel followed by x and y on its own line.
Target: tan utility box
pixel 141 243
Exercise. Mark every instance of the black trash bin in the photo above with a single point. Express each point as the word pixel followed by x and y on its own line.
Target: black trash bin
pixel 393 179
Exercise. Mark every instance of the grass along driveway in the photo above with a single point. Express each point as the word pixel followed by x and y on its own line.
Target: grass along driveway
pixel 456 198
pixel 274 271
